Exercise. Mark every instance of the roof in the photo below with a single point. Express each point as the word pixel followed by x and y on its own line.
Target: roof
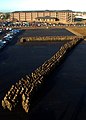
pixel 44 11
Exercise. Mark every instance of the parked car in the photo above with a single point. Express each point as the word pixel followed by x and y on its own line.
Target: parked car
pixel 7 39
pixel 2 44
pixel 15 31
pixel 11 33
pixel 8 36
pixel 3 41
pixel 0 30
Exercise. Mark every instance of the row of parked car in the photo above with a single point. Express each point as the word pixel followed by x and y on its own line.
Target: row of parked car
pixel 8 37
pixel 1 30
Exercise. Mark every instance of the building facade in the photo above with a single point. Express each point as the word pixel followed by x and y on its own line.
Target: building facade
pixel 54 16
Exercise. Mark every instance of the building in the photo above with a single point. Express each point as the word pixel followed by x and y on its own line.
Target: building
pixel 64 16
pixel 46 19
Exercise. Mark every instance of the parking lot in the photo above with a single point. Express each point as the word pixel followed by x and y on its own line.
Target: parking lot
pixel 18 60
pixel 7 36
pixel 47 32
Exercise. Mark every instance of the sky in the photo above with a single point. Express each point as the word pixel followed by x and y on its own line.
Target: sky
pixel 22 5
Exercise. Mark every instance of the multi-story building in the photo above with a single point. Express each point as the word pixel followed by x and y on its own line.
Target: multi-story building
pixel 43 16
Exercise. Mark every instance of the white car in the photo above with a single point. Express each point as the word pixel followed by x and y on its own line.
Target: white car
pixel 8 36
pixel 1 44
pixel 0 31
pixel 8 39
pixel 3 41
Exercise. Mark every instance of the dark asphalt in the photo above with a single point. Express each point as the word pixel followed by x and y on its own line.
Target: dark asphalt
pixel 62 97
pixel 47 32
pixel 66 100
pixel 17 60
